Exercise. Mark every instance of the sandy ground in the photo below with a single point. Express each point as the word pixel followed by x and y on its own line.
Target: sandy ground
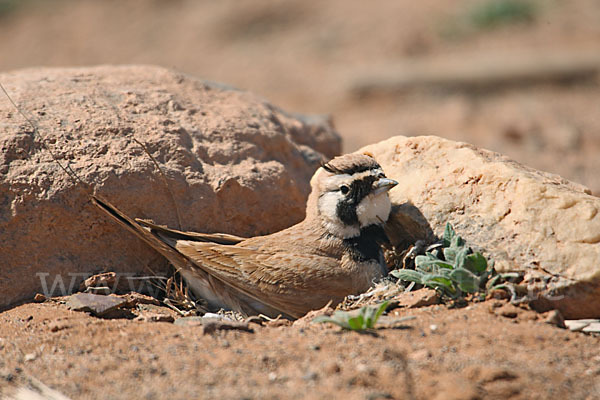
pixel 487 350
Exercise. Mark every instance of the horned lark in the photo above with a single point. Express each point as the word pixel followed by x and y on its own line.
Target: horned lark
pixel 334 252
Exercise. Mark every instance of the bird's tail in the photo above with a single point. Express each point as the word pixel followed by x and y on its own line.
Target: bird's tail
pixel 145 233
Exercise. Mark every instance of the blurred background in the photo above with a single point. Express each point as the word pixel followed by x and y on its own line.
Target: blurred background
pixel 516 76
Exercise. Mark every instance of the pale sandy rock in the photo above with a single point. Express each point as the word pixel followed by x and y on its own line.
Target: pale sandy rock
pixel 594 327
pixel 526 220
pixel 578 324
pixel 234 163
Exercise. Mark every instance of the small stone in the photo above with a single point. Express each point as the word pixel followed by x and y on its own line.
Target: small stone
pixel 333 368
pixel 577 325
pixel 154 317
pixel 7 375
pixel 379 396
pixel 214 315
pixel 592 371
pixel 135 298
pixel 498 294
pixel 555 318
pixel 594 327
pixel 310 376
pixel 420 355
pixel 96 304
pixel 58 326
pixel 272 376
pixel 508 311
pixel 153 313
pixel 492 374
pixel 104 290
pixel 105 280
pixel 30 357
pixel 419 298
pixel 39 298
pixel 212 325
pixel 433 327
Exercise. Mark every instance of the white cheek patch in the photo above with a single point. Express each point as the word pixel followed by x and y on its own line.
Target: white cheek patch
pixel 374 209
pixel 328 208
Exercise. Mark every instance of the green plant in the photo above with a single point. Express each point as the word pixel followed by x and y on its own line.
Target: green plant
pixel 8 6
pixel 366 318
pixel 494 13
pixel 452 268
pixel 485 15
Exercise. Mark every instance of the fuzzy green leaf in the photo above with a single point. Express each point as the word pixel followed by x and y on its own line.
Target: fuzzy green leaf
pixel 439 280
pixel 339 322
pixel 407 275
pixel 357 323
pixel 380 310
pixel 427 263
pixel 365 319
pixel 465 280
pixel 476 263
pixel 372 314
pixel 448 235
pixel 450 255
pixel 461 257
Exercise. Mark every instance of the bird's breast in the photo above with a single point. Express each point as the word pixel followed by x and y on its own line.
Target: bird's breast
pixel 364 273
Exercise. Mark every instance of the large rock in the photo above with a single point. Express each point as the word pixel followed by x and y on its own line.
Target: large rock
pixel 526 220
pixel 234 163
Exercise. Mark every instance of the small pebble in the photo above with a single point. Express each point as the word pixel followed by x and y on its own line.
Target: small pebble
pixel 594 327
pixel 30 357
pixel 554 317
pixel 39 298
pixel 420 355
pixel 576 325
pixel 310 376
pixel 433 327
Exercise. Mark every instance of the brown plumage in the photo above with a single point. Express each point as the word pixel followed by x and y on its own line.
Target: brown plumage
pixel 334 252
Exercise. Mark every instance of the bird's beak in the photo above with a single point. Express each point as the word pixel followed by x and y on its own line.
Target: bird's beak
pixel 383 185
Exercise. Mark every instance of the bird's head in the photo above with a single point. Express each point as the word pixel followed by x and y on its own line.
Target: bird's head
pixel 350 193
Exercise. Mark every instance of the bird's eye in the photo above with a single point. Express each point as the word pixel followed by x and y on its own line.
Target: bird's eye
pixel 381 175
pixel 344 189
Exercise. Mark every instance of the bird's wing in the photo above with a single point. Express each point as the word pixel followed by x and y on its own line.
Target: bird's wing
pixel 221 238
pixel 291 283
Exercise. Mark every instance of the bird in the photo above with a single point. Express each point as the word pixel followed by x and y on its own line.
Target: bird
pixel 334 252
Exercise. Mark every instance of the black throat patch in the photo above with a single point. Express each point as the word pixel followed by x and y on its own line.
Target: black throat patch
pixel 367 246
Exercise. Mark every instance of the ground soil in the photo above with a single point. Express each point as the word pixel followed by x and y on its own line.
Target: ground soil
pixel 485 350
pixel 306 56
